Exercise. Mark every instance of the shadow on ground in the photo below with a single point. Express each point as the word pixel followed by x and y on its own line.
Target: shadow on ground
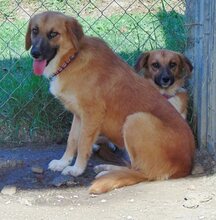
pixel 17 164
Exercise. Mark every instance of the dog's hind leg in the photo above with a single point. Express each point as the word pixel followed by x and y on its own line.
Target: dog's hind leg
pixel 144 138
pixel 147 141
pixel 59 165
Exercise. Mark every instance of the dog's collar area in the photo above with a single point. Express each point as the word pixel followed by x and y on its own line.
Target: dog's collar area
pixel 179 90
pixel 167 96
pixel 63 66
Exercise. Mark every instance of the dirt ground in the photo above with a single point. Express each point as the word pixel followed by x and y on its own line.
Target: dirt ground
pixel 37 193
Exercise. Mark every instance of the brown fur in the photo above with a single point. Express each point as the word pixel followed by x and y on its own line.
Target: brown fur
pixel 107 97
pixel 177 96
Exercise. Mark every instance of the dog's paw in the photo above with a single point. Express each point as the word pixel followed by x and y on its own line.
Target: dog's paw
pixel 58 165
pixel 95 148
pixel 102 173
pixel 72 170
pixel 112 147
pixel 100 168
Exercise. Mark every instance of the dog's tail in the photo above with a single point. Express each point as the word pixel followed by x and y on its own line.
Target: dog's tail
pixel 116 179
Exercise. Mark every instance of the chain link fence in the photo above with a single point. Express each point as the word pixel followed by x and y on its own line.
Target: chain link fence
pixel 28 113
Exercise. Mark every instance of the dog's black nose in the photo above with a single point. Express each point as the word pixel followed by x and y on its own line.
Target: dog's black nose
pixel 35 53
pixel 165 79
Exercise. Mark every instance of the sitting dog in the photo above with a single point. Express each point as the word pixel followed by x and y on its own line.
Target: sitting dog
pixel 167 71
pixel 107 97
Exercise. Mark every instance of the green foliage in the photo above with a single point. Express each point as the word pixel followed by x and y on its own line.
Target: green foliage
pixel 174 31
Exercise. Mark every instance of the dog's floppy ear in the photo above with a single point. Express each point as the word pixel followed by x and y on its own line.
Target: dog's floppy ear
pixel 75 32
pixel 28 37
pixel 141 62
pixel 187 65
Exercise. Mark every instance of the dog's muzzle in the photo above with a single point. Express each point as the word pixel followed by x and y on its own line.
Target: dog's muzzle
pixel 36 53
pixel 164 79
pixel 42 50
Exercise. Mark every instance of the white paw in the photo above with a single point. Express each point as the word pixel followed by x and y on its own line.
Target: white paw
pixel 58 165
pixel 102 173
pixel 100 168
pixel 96 147
pixel 112 147
pixel 72 170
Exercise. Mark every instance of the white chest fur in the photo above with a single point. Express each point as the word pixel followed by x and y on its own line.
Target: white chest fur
pixel 55 87
pixel 66 97
pixel 51 67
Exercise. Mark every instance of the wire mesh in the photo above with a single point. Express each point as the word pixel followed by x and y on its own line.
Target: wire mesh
pixel 28 113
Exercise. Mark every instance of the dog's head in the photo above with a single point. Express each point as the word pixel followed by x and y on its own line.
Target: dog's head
pixel 164 67
pixel 50 33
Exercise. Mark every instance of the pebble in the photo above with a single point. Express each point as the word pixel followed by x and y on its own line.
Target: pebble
pixel 25 201
pixel 103 200
pixel 10 163
pixel 37 169
pixel 61 180
pixel 93 195
pixel 71 183
pixel 9 190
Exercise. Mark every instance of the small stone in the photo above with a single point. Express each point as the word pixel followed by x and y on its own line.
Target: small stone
pixel 25 201
pixel 197 169
pixel 129 217
pixel 10 163
pixel 61 180
pixel 71 183
pixel 103 200
pixel 9 190
pixel 37 169
pixel 93 195
pixel 131 200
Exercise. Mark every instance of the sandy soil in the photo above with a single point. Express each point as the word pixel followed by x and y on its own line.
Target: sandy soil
pixel 36 197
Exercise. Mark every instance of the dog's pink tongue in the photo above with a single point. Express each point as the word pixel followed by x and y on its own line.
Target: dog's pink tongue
pixel 39 66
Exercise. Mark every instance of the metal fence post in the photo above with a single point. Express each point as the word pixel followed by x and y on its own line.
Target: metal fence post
pixel 201 49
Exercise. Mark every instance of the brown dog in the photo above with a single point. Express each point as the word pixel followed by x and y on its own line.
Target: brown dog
pixel 107 97
pixel 167 71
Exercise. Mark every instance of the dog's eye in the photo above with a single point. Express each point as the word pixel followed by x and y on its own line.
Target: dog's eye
pixel 52 34
pixel 156 65
pixel 35 31
pixel 172 65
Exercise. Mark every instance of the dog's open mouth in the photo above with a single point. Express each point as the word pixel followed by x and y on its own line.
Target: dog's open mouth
pixel 39 66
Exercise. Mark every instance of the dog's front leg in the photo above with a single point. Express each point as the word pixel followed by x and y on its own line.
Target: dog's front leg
pixel 59 165
pixel 90 129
